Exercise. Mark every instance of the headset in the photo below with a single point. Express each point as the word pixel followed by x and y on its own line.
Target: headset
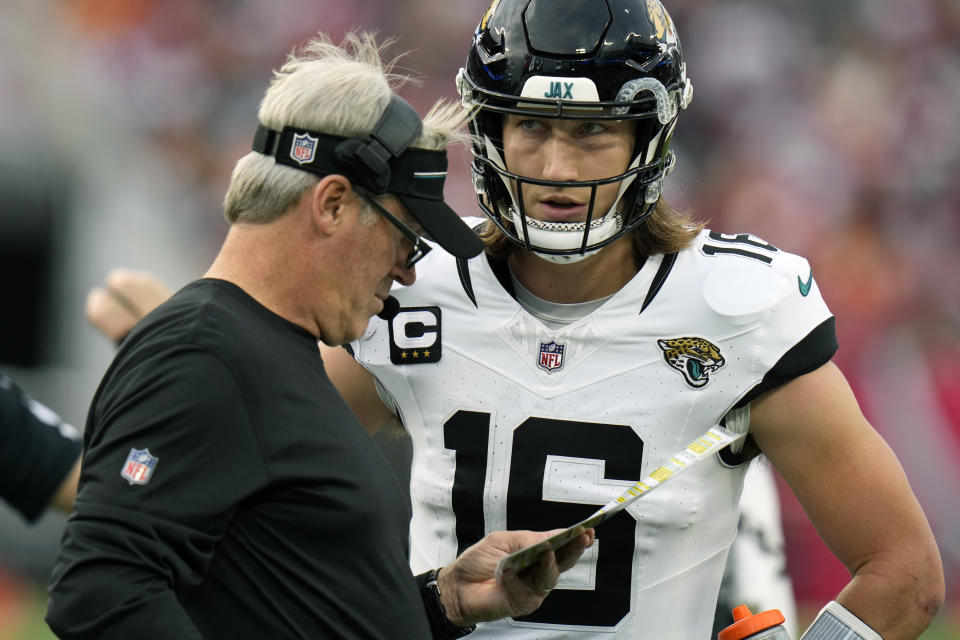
pixel 364 161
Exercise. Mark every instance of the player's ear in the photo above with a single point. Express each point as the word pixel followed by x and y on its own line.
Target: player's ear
pixel 328 200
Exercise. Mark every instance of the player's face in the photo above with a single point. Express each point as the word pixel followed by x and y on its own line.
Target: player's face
pixel 566 150
pixel 379 257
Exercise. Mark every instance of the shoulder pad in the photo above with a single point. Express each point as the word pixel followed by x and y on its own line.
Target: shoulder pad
pixel 747 281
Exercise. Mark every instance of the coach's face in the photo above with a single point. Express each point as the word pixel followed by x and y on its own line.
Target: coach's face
pixel 376 257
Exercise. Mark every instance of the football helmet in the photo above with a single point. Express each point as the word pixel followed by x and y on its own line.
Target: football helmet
pixel 579 59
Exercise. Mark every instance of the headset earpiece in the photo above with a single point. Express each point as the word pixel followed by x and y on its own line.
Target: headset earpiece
pixel 365 161
pixel 368 160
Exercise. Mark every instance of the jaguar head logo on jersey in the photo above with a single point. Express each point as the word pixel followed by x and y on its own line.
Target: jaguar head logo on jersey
pixel 415 335
pixel 551 356
pixel 695 358
pixel 138 467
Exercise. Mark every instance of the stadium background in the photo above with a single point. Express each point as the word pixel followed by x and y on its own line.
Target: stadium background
pixel 829 129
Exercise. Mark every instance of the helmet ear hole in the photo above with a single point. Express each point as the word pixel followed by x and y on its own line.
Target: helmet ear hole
pixel 647 131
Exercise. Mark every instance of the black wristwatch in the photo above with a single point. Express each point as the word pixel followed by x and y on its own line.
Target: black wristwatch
pixel 440 626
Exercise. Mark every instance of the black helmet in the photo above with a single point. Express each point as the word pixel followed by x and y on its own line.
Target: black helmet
pixel 576 59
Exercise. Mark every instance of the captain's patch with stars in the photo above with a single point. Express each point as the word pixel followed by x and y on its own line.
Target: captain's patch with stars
pixel 415 335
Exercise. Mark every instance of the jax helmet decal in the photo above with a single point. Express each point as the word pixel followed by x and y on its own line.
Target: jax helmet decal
pixel 594 60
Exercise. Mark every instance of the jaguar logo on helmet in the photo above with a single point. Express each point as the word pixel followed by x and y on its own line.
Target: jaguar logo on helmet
pixel 661 21
pixel 486 16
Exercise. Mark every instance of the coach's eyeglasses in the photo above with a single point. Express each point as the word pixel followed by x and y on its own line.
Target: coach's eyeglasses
pixel 420 246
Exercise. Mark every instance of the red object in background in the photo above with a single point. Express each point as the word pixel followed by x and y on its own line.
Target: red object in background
pixel 943 368
pixel 109 17
pixel 11 605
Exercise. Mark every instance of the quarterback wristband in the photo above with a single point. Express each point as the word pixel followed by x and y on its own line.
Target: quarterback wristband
pixel 835 622
pixel 440 626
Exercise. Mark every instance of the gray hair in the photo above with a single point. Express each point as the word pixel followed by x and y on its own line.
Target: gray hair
pixel 339 90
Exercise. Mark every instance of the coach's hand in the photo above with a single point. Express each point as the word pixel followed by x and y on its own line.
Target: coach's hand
pixel 126 297
pixel 470 592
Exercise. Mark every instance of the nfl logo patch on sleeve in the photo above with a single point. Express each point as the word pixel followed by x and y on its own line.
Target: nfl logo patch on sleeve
pixel 138 469
pixel 415 335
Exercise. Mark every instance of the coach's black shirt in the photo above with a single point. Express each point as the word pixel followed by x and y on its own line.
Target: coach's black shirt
pixel 228 491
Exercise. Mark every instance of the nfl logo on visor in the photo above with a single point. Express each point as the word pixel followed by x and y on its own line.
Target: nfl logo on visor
pixel 551 356
pixel 304 148
pixel 139 466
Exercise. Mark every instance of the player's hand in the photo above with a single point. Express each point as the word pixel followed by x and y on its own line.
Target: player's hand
pixel 470 592
pixel 125 297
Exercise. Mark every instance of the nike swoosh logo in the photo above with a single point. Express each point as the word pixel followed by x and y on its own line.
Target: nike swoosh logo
pixel 805 286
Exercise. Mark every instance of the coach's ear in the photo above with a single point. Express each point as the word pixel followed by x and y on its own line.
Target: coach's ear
pixel 331 201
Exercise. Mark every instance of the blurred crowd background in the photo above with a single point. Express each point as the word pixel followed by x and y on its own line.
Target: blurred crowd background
pixel 829 129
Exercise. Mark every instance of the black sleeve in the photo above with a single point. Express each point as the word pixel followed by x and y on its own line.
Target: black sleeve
pixel 37 451
pixel 811 353
pixel 136 539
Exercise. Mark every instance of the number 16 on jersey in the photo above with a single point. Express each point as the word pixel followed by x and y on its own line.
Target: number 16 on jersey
pixel 716 438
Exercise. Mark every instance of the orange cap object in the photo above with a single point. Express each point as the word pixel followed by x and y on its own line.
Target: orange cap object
pixel 746 624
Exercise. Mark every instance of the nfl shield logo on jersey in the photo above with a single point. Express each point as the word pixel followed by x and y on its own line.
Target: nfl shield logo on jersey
pixel 304 148
pixel 139 466
pixel 551 356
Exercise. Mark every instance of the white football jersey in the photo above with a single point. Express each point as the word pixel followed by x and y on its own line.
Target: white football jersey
pixel 519 426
